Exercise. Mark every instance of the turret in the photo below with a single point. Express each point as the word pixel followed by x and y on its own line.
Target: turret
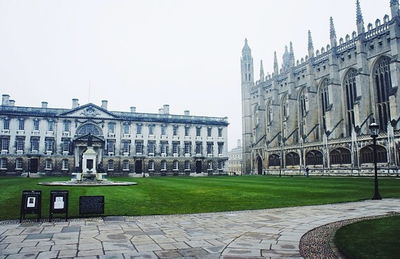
pixel 310 45
pixel 262 75
pixel 276 66
pixel 247 64
pixel 332 33
pixel 291 55
pixel 394 8
pixel 359 19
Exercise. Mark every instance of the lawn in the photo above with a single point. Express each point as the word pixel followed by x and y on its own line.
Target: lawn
pixel 377 238
pixel 178 195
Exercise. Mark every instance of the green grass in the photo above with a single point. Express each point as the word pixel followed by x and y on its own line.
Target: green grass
pixel 377 238
pixel 178 195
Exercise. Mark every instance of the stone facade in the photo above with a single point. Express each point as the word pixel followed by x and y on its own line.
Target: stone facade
pixel 315 112
pixel 235 160
pixel 52 140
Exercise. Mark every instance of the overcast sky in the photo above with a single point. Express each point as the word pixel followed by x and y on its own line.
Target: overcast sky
pixel 185 53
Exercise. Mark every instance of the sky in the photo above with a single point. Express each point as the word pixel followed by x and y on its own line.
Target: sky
pixel 185 53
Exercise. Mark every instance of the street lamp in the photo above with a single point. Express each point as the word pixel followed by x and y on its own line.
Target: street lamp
pixel 374 128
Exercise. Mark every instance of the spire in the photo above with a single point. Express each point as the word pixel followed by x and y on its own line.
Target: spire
pixel 276 67
pixel 332 33
pixel 246 49
pixel 291 53
pixel 262 76
pixel 310 45
pixel 394 7
pixel 360 20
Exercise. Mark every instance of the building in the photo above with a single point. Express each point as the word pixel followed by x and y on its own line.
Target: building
pixel 315 112
pixel 52 140
pixel 235 160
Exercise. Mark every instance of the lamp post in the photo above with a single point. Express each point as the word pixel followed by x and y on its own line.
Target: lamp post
pixel 374 134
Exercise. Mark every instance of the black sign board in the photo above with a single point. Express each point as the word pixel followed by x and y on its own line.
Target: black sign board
pixel 58 203
pixel 91 205
pixel 31 204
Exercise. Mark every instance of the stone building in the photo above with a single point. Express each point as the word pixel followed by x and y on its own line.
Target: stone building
pixel 315 112
pixel 235 160
pixel 52 140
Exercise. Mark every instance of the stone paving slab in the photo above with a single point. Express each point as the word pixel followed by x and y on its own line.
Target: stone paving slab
pixel 271 233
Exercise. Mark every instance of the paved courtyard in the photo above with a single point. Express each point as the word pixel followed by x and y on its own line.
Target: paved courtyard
pixel 271 233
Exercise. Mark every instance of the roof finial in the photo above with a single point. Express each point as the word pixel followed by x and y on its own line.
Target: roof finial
pixel 310 45
pixel 276 67
pixel 332 29
pixel 246 49
pixel 359 13
pixel 262 76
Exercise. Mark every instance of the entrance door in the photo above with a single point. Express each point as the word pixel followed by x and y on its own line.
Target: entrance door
pixel 33 165
pixel 138 166
pixel 259 165
pixel 198 167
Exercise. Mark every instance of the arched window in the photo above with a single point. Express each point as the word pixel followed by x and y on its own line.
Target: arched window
pixel 274 160
pixel 383 84
pixel 314 157
pixel 292 159
pixel 89 129
pixel 340 156
pixel 303 111
pixel 324 100
pixel 351 95
pixel 269 112
pixel 285 108
pixel 367 154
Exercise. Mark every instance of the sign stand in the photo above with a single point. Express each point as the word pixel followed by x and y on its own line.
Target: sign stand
pixel 58 203
pixel 31 204
pixel 91 205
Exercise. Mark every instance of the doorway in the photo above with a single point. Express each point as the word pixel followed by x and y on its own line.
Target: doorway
pixel 33 165
pixel 198 167
pixel 259 165
pixel 138 166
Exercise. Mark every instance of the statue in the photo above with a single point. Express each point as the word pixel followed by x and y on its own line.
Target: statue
pixel 90 140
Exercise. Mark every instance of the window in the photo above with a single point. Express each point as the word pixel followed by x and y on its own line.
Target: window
pixel 50 125
pixel 164 147
pixel 151 129
pixel 314 157
pixel 18 164
pixel 188 147
pixel 209 131
pixel 175 130
pixel 210 165
pixel 292 159
pixel 324 99
pixel 6 124
pixel 65 145
pixel 21 124
pixel 198 148
pixel 176 165
pixel 48 164
pixel 383 85
pixel 110 146
pixel 151 147
pixel 285 108
pixel 20 143
pixel 67 126
pixel 89 129
pixel 367 154
pixel 5 144
pixel 351 95
pixel 269 112
pixel 110 165
pixel 187 128
pixel 65 164
pixel 220 148
pixel 220 165
pixel 151 165
pixel 111 127
pixel 302 101
pixel 175 147
pixel 125 165
pixel 220 132
pixel 210 147
pixel 187 165
pixel 138 129
pixel 125 146
pixel 340 156
pixel 163 130
pixel 3 163
pixel 139 147
pixel 163 165
pixel 198 131
pixel 34 144
pixel 126 128
pixel 49 145
pixel 36 123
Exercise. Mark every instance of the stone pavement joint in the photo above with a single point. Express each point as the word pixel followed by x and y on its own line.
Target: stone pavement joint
pixel 269 233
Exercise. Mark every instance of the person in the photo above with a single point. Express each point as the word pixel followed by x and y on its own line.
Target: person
pixel 307 170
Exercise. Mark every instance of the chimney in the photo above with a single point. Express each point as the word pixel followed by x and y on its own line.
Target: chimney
pixel 104 104
pixel 133 109
pixel 75 103
pixel 161 111
pixel 11 103
pixel 5 99
pixel 186 112
pixel 166 108
pixel 44 104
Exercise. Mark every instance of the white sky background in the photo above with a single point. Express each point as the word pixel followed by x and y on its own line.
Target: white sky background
pixel 185 53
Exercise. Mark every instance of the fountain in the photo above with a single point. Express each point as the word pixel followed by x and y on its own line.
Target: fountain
pixel 89 175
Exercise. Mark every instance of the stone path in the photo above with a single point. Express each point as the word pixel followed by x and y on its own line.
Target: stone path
pixel 271 233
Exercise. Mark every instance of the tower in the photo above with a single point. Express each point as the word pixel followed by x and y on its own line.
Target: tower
pixel 247 71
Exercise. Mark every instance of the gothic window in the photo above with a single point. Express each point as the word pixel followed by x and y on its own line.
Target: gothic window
pixel 292 159
pixel 351 95
pixel 383 84
pixel 367 154
pixel 274 160
pixel 187 165
pixel 314 157
pixel 302 102
pixel 340 156
pixel 324 100
pixel 151 165
pixel 89 129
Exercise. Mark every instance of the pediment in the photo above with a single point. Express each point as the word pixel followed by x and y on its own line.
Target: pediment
pixel 89 111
